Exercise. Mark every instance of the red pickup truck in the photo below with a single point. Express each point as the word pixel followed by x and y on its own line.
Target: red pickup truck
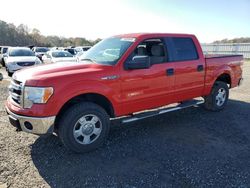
pixel 131 76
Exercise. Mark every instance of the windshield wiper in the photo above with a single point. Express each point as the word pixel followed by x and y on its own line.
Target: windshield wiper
pixel 87 59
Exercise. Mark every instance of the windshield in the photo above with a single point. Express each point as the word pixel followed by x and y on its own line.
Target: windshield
pixel 41 49
pixel 61 54
pixel 21 52
pixel 108 51
pixel 72 51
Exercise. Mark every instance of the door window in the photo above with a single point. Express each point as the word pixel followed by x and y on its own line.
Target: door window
pixel 154 48
pixel 181 49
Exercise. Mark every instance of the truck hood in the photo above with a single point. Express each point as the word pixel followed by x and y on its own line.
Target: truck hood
pixel 21 58
pixel 54 70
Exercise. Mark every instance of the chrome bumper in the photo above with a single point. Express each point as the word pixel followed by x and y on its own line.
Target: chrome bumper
pixel 33 125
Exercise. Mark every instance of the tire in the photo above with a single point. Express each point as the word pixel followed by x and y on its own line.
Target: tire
pixel 3 63
pixel 218 97
pixel 83 127
pixel 9 73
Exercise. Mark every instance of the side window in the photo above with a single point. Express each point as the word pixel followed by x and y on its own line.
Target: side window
pixel 154 48
pixel 182 49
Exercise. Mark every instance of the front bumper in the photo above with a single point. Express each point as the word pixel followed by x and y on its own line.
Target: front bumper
pixel 35 125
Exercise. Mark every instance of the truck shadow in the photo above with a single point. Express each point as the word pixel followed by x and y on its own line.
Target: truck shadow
pixel 154 151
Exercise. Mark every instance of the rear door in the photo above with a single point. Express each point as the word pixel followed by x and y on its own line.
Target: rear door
pixel 189 68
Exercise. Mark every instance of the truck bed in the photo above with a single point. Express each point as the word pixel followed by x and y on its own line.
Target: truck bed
pixel 218 63
pixel 209 56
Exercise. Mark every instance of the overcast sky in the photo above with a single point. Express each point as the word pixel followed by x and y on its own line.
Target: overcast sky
pixel 209 19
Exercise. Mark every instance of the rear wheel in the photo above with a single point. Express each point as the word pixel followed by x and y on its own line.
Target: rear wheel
pixel 218 97
pixel 84 127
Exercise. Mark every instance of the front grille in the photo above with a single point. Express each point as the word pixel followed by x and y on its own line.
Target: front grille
pixel 15 91
pixel 24 64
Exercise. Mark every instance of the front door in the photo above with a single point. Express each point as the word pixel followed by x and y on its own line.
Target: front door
pixel 148 88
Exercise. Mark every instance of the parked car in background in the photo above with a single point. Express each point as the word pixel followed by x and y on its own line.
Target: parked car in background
pixel 3 52
pixel 20 57
pixel 71 50
pixel 80 50
pixel 40 51
pixel 58 56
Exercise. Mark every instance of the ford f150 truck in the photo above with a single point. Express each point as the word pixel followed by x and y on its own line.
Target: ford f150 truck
pixel 131 76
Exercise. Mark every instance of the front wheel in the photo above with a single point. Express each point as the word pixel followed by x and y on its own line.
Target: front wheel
pixel 84 127
pixel 9 73
pixel 3 63
pixel 218 97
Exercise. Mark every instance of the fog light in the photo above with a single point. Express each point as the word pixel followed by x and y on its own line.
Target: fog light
pixel 28 125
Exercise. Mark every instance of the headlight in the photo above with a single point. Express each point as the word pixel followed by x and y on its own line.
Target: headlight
pixel 36 95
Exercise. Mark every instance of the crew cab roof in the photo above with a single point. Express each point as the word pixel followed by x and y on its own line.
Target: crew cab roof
pixel 149 35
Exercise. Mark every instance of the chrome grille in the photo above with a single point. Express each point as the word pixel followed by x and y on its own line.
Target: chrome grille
pixel 15 91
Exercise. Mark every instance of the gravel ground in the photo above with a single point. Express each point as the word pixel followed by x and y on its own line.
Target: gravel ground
pixel 188 148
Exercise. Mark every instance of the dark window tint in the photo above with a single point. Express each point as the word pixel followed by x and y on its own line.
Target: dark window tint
pixel 61 54
pixel 41 49
pixel 85 48
pixel 21 52
pixel 183 49
pixel 71 50
pixel 5 50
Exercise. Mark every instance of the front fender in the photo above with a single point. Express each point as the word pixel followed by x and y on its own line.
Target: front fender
pixel 69 91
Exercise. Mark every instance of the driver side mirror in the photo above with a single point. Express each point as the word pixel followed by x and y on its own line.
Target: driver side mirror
pixel 138 62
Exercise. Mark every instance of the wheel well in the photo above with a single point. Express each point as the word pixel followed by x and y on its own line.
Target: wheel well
pixel 225 78
pixel 90 97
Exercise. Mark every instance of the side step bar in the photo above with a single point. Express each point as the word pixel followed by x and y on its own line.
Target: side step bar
pixel 156 112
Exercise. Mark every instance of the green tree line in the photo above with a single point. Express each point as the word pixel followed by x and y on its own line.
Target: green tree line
pixel 11 35
pixel 235 40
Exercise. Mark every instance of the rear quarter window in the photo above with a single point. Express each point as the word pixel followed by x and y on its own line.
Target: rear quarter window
pixel 182 49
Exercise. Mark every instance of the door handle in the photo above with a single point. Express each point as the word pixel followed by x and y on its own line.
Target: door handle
pixel 200 68
pixel 170 72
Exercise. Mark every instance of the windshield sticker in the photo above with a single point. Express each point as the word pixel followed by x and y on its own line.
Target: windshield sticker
pixel 128 39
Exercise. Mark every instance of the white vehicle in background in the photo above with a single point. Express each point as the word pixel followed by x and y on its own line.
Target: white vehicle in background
pixel 20 57
pixel 58 56
pixel 40 51
pixel 80 50
pixel 71 50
